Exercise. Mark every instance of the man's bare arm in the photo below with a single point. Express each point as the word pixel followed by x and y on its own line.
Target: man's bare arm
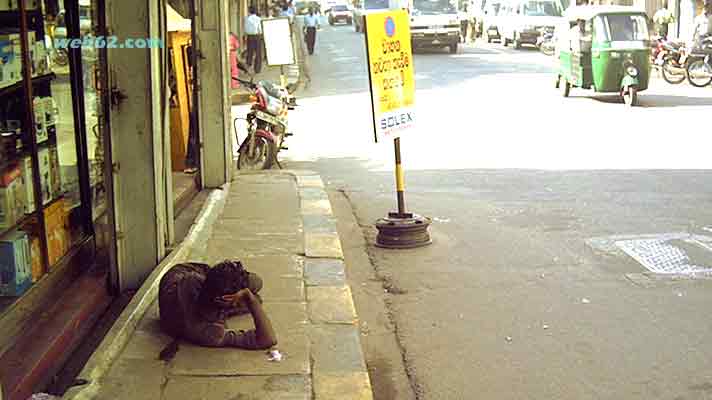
pixel 264 334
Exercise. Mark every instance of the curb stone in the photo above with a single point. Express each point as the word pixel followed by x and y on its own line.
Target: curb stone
pixel 339 368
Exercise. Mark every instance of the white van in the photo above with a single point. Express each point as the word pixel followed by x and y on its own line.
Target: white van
pixel 523 21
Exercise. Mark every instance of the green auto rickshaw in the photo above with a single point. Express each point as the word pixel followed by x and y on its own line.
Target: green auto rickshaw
pixel 604 48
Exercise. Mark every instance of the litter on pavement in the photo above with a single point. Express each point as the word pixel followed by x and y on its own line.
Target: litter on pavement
pixel 43 396
pixel 275 355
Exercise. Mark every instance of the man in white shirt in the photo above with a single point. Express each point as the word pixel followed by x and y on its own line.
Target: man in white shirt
pixel 311 23
pixel 253 31
pixel 703 24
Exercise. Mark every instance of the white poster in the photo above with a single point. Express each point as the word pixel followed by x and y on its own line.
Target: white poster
pixel 278 41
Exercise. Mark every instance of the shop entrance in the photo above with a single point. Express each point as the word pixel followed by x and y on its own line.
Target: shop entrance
pixel 184 142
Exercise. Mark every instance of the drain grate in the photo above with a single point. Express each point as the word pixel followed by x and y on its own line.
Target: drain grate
pixel 670 254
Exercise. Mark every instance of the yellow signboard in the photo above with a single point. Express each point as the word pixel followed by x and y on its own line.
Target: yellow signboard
pixel 390 68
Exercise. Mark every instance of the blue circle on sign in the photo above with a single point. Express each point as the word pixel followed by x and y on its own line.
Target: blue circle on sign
pixel 390 27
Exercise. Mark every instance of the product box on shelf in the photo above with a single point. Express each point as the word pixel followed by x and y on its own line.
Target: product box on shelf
pixel 45 174
pixel 56 222
pixel 40 58
pixel 51 111
pixel 10 189
pixel 26 166
pixel 56 172
pixel 10 64
pixel 15 273
pixel 39 105
pixel 38 270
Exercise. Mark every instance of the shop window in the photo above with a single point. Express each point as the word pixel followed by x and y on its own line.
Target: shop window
pixel 50 195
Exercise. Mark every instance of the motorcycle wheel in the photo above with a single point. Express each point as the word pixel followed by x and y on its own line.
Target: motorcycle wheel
pixel 669 74
pixel 564 86
pixel 547 48
pixel 699 67
pixel 631 97
pixel 61 58
pixel 261 160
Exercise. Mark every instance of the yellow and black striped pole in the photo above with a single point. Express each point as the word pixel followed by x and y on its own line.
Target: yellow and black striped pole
pixel 400 178
pixel 402 230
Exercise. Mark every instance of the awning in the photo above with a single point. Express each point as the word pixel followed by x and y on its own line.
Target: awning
pixel 182 7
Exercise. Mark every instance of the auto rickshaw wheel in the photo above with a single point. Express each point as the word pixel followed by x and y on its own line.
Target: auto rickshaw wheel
pixel 516 43
pixel 630 97
pixel 565 88
pixel 558 81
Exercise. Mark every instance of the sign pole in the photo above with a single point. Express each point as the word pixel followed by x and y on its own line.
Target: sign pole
pixel 400 179
pixel 391 79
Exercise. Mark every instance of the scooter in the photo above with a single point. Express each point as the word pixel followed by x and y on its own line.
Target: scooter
pixel 267 125
pixel 545 41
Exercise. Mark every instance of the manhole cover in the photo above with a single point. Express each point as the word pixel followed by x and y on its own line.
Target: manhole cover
pixel 670 254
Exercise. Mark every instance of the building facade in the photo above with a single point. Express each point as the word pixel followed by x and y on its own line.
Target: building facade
pixel 87 185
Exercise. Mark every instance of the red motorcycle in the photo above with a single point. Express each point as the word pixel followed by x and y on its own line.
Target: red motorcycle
pixel 266 125
pixel 668 57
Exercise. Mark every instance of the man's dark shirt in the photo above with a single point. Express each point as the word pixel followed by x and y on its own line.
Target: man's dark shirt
pixel 182 316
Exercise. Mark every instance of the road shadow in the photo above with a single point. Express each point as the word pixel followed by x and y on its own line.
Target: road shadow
pixel 666 101
pixel 655 100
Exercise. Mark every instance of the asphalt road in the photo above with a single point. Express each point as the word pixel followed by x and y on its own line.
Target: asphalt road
pixel 510 302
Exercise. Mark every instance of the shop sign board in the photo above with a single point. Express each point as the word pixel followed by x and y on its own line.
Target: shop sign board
pixel 277 34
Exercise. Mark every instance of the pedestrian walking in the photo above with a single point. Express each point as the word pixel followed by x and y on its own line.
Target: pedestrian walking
pixel 464 23
pixel 253 30
pixel 311 23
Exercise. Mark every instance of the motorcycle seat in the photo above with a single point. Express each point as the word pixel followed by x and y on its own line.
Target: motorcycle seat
pixel 272 89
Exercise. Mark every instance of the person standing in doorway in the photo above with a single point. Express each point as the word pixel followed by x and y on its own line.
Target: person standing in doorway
pixel 311 23
pixel 234 71
pixel 253 30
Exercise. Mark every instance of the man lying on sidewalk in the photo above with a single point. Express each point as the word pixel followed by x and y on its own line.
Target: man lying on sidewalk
pixel 194 301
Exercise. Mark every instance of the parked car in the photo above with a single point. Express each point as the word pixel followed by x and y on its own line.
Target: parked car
pixel 339 13
pixel 364 7
pixel 490 20
pixel 302 7
pixel 523 21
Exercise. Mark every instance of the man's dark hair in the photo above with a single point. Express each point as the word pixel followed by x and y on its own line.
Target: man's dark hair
pixel 227 277
pixel 253 10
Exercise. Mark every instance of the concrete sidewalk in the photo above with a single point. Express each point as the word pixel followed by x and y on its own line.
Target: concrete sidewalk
pixel 280 224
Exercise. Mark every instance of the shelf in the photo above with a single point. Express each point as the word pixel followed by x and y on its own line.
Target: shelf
pixel 19 85
pixel 19 224
pixel 4 164
pixel 29 217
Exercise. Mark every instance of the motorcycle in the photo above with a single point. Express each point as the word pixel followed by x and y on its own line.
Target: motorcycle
pixel 699 65
pixel 545 41
pixel 266 125
pixel 669 59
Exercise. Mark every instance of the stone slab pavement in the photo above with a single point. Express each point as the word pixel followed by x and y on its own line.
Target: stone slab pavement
pixel 280 224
